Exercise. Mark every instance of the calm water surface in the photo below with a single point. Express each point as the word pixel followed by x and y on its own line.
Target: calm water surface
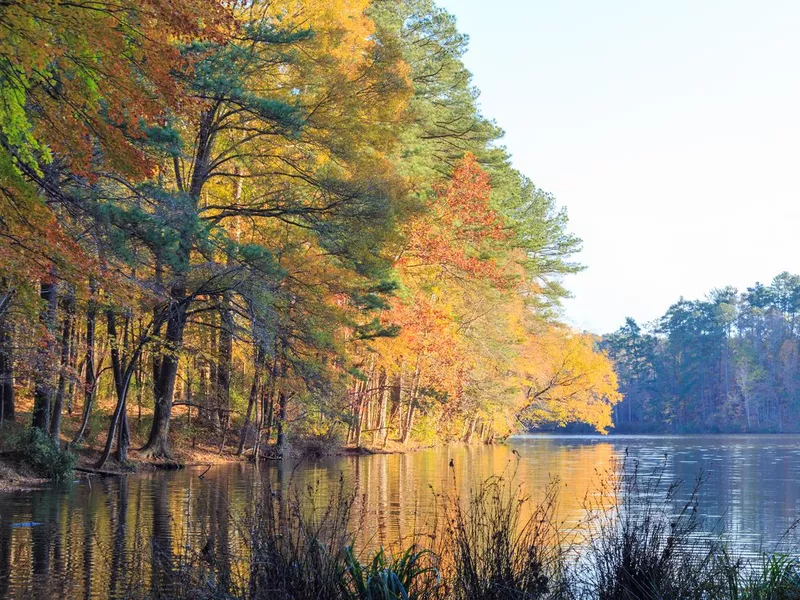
pixel 88 529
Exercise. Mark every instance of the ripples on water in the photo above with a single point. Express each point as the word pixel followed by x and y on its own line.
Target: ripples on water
pixel 88 530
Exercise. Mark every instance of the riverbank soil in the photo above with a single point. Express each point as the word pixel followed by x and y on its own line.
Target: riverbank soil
pixel 16 476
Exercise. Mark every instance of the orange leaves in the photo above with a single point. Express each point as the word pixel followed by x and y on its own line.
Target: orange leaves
pixel 466 196
pixel 77 83
pixel 460 234
pixel 456 295
pixel 95 72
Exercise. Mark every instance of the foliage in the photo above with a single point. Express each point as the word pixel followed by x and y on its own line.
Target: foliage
pixel 570 382
pixel 499 553
pixel 726 363
pixel 290 217
pixel 774 577
pixel 385 577
pixel 35 449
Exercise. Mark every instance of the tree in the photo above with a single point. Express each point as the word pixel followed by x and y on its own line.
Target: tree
pixel 727 363
pixel 568 381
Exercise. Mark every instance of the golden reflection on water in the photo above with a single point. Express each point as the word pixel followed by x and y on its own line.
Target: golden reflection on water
pixel 144 522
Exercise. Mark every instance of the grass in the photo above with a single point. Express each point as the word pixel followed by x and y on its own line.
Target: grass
pixel 641 539
pixel 772 577
pixel 493 551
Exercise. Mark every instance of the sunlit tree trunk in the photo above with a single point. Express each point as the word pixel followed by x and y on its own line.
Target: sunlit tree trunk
pixel 408 422
pixel 471 430
pixel 380 429
pixel 396 395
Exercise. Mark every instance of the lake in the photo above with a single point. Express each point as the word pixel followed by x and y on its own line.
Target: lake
pixel 84 530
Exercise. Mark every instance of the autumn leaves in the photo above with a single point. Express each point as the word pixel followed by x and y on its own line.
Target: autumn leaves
pixel 291 216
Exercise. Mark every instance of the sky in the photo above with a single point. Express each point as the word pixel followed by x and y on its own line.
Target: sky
pixel 669 130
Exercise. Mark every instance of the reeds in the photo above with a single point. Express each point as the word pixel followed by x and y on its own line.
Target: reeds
pixel 639 541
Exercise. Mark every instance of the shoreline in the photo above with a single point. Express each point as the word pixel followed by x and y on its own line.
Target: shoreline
pixel 17 476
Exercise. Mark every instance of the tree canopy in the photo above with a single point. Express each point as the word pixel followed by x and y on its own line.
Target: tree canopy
pixel 281 219
pixel 725 363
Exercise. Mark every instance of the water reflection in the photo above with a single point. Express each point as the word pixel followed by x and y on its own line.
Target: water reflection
pixel 89 530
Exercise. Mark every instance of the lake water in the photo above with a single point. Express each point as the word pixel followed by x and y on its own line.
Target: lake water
pixel 87 529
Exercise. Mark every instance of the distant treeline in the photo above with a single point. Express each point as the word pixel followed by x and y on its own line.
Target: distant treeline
pixel 728 363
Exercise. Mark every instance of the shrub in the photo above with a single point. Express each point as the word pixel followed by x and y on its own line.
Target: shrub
pixel 411 576
pixel 37 450
pixel 773 577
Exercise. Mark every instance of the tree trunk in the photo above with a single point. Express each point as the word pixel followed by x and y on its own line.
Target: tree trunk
pixel 213 378
pixel 122 379
pixel 7 405
pixel 43 386
pixel 396 395
pixel 73 365
pixel 139 379
pixel 124 437
pixel 282 438
pixel 123 431
pixel 157 445
pixel 255 388
pixel 412 401
pixel 381 428
pixel 359 411
pixel 471 430
pixel 408 422
pixel 90 380
pixel 268 403
pixel 224 354
pixel 66 336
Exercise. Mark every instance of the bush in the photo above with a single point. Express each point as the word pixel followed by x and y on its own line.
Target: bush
pixel 37 450
pixel 411 576
pixel 774 577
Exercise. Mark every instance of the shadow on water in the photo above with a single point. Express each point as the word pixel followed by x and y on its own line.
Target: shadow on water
pixel 98 539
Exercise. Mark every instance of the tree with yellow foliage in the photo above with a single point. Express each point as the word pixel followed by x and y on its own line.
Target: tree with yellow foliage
pixel 566 380
pixel 281 218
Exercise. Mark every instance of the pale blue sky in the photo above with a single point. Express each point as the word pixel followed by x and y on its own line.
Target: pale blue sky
pixel 669 130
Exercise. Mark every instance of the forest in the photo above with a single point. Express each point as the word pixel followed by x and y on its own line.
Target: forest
pixel 728 363
pixel 253 225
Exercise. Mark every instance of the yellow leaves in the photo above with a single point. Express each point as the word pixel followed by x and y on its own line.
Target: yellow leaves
pixel 567 380
pixel 347 31
pixel 467 330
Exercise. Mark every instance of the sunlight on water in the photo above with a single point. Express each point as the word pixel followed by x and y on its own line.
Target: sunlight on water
pixel 86 531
